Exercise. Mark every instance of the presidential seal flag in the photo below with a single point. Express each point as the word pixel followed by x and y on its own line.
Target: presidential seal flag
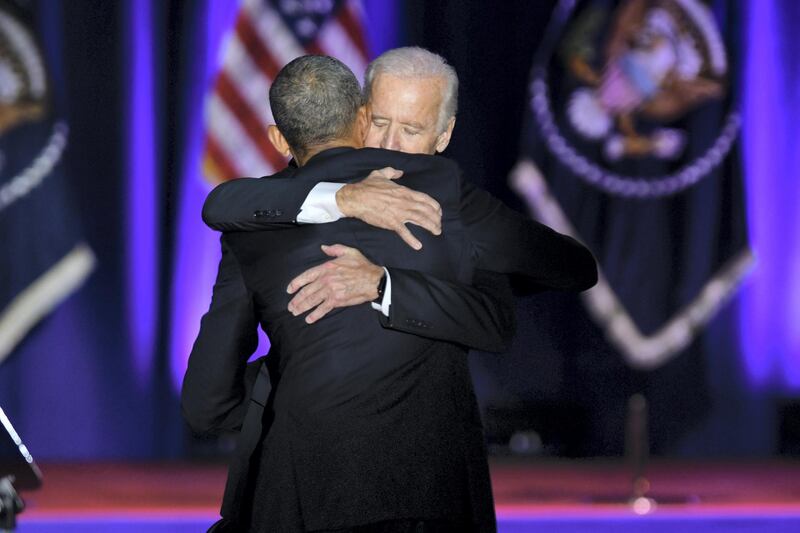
pixel 267 35
pixel 44 258
pixel 632 146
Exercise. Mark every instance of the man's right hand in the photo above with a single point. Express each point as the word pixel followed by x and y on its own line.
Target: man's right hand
pixel 380 202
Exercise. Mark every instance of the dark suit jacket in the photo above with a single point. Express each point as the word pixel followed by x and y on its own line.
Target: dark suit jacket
pixel 379 424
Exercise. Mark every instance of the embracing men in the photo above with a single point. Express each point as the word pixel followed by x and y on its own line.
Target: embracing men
pixel 371 423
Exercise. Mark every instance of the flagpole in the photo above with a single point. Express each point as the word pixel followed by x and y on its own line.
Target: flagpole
pixel 637 452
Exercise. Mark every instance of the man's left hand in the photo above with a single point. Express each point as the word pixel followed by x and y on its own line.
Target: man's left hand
pixel 349 279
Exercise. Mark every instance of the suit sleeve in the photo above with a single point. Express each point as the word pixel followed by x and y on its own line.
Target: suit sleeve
pixel 507 242
pixel 480 316
pixel 252 204
pixel 215 387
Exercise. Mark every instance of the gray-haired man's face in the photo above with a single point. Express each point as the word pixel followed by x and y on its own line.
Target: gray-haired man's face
pixel 405 115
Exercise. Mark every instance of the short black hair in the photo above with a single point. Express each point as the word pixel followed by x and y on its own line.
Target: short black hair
pixel 314 100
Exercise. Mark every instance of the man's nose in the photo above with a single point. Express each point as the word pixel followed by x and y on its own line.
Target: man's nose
pixel 390 141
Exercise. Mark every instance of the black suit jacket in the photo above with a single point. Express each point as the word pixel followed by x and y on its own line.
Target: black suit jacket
pixel 375 396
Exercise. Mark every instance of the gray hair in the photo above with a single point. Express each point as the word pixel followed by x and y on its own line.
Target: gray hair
pixel 314 100
pixel 416 62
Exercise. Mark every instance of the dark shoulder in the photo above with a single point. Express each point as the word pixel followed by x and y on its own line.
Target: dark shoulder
pixel 287 172
pixel 435 175
pixel 237 194
pixel 413 162
pixel 236 184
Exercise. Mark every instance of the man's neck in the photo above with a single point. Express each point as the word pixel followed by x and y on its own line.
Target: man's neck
pixel 317 148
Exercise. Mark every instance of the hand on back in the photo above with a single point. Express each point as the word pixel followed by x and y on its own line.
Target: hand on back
pixel 380 202
pixel 349 279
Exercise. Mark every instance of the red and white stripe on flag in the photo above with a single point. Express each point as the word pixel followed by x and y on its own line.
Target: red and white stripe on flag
pixel 266 36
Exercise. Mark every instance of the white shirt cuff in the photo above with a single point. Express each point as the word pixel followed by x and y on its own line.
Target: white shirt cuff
pixel 386 302
pixel 320 206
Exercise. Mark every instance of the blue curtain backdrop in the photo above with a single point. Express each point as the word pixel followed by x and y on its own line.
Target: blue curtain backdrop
pixel 67 386
pixel 96 379
pixel 770 318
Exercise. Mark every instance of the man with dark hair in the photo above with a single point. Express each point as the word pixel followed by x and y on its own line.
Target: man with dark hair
pixel 367 428
pixel 313 105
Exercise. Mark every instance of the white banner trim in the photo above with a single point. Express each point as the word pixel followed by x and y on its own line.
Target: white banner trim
pixel 644 352
pixel 43 295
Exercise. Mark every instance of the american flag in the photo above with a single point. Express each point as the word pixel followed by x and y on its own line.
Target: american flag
pixel 267 35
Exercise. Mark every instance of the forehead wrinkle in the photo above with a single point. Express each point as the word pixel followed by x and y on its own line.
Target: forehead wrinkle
pixel 411 103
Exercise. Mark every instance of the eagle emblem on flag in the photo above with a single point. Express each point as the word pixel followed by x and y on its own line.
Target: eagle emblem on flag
pixel 661 60
pixel 632 146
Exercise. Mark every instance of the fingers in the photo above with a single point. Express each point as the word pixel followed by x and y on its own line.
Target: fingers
pixel 309 297
pixel 304 279
pixel 383 204
pixel 425 219
pixel 348 279
pixel 425 212
pixel 408 237
pixel 393 173
pixel 410 196
pixel 422 198
pixel 386 173
pixel 337 250
pixel 319 312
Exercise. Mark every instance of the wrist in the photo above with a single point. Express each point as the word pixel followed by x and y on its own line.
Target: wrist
pixel 344 200
pixel 380 286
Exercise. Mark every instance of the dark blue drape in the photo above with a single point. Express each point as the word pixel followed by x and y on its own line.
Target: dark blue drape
pixel 96 379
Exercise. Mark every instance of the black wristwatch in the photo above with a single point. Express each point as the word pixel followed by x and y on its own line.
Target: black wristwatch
pixel 381 288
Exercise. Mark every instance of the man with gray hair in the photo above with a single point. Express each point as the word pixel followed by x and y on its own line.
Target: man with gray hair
pixel 370 426
pixel 413 99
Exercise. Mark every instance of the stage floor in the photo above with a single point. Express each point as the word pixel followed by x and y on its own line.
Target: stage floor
pixel 552 496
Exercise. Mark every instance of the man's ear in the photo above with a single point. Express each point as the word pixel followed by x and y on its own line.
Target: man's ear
pixel 363 118
pixel 444 138
pixel 278 140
